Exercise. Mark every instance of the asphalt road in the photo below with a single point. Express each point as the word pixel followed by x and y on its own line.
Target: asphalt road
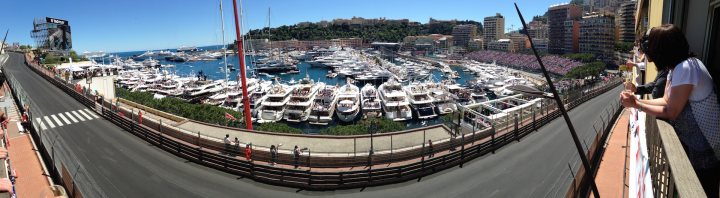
pixel 110 162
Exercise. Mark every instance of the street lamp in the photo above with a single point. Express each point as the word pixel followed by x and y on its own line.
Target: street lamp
pixel 561 106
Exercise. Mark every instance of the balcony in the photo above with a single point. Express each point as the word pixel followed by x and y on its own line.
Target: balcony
pixel 670 172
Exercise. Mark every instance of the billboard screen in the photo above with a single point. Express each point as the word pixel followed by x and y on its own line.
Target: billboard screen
pixel 56 21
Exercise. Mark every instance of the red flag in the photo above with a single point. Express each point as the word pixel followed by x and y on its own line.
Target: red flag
pixel 230 117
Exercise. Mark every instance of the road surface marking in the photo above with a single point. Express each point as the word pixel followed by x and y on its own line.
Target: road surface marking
pixel 85 114
pixel 40 122
pixel 50 123
pixel 57 121
pixel 91 113
pixel 63 118
pixel 78 115
pixel 71 117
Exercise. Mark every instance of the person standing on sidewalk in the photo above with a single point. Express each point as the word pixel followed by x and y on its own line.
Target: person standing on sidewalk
pixel 226 140
pixel 296 156
pixel 273 154
pixel 25 119
pixel 237 146
pixel 248 152
pixel 431 151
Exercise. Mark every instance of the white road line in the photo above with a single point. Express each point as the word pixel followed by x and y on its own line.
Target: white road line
pixel 71 117
pixel 50 123
pixel 91 113
pixel 64 119
pixel 39 122
pixel 78 116
pixel 85 114
pixel 57 121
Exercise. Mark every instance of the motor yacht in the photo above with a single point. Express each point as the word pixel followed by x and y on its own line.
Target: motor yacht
pixel 443 100
pixel 370 101
pixel 348 106
pixel 420 100
pixel 301 99
pixel 324 105
pixel 273 107
pixel 395 103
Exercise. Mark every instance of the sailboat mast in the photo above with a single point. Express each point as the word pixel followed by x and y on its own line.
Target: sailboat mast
pixel 222 28
pixel 269 32
pixel 241 60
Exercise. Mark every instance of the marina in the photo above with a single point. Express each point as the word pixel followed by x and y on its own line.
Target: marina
pixel 324 87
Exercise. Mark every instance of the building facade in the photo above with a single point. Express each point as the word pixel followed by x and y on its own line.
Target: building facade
pixel 463 34
pixel 493 28
pixel 505 45
pixel 519 40
pixel 626 22
pixel 597 36
pixel 571 38
pixel 557 15
pixel 538 29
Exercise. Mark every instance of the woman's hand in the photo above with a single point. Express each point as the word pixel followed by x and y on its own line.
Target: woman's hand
pixel 630 64
pixel 628 99
pixel 630 87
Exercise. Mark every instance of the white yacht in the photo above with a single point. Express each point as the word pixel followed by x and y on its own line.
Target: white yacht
pixel 420 100
pixel 273 107
pixel 395 103
pixel 348 106
pixel 257 96
pixel 370 101
pixel 323 107
pixel 443 100
pixel 301 99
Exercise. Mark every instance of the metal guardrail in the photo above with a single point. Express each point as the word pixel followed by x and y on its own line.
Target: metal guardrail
pixel 471 147
pixel 671 173
pixel 22 99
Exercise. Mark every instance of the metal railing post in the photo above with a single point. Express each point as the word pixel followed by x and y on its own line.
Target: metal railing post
pixel 517 136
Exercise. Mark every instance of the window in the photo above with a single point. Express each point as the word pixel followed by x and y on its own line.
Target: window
pixel 713 58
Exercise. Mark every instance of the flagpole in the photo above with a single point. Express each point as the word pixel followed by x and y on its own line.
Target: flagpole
pixel 241 60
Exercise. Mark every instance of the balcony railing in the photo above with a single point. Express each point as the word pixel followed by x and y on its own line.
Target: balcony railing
pixel 670 169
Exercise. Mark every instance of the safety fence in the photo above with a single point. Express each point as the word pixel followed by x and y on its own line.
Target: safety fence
pixel 60 175
pixel 454 152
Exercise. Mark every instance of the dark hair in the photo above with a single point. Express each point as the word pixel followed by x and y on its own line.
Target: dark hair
pixel 667 46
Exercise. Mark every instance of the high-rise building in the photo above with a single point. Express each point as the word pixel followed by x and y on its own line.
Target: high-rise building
pixel 557 15
pixel 464 33
pixel 626 22
pixel 571 38
pixel 493 28
pixel 597 35
pixel 52 34
pixel 538 29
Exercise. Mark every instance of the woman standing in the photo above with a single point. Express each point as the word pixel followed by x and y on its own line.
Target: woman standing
pixel 690 102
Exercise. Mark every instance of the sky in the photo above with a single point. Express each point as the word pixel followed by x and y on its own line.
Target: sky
pixel 133 25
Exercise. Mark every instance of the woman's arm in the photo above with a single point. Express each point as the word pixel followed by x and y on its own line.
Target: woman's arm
pixel 674 105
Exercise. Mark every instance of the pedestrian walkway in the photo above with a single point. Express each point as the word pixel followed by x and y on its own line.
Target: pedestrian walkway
pixel 31 179
pixel 611 179
pixel 65 118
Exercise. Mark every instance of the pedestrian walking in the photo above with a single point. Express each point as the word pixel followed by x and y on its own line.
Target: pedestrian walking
pixel 431 150
pixel 296 156
pixel 273 155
